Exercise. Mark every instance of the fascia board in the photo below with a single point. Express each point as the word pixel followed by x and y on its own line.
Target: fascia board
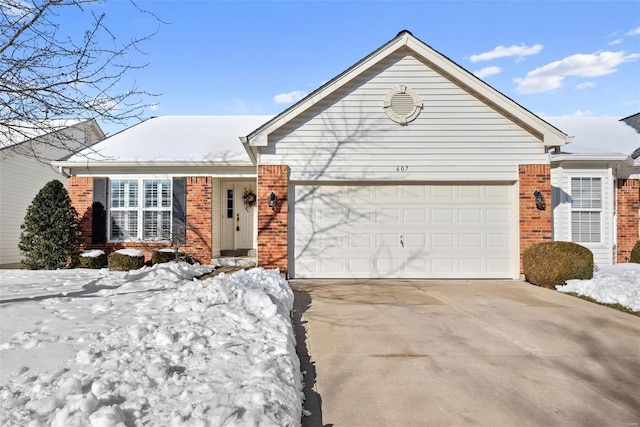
pixel 557 158
pixel 551 136
pixel 259 137
pixel 147 165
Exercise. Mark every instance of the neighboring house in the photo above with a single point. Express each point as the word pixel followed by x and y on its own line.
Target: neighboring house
pixel 24 170
pixel 595 186
pixel 405 165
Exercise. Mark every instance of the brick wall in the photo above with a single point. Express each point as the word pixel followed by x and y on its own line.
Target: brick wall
pixel 81 194
pixel 199 193
pixel 535 224
pixel 198 245
pixel 628 196
pixel 272 224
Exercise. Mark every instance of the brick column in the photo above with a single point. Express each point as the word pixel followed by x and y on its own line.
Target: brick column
pixel 81 193
pixel 628 196
pixel 535 224
pixel 273 223
pixel 199 216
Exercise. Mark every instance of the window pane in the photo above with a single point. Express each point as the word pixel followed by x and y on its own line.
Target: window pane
pixel 157 193
pixel 585 227
pixel 124 225
pixel 586 193
pixel 157 225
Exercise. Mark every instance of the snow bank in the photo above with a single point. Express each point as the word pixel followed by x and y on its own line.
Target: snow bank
pixel 617 284
pixel 163 349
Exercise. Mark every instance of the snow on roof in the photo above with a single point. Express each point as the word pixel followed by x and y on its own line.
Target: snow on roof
pixel 15 132
pixel 597 135
pixel 177 138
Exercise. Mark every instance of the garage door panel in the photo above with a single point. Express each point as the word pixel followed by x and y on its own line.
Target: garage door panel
pixel 403 231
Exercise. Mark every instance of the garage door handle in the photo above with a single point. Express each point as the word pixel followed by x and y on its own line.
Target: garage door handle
pixel 402 240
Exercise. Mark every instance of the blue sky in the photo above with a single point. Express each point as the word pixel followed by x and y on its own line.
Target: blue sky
pixel 228 57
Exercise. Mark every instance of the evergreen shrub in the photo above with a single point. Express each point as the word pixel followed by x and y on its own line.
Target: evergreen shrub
pixel 551 264
pixel 162 256
pixel 93 261
pixel 50 235
pixel 635 253
pixel 124 260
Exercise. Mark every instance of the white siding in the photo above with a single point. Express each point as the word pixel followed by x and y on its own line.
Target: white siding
pixel 603 253
pixel 456 137
pixel 21 178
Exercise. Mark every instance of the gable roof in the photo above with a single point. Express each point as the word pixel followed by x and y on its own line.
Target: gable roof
pixel 14 132
pixel 633 121
pixel 175 139
pixel 551 136
pixel 597 138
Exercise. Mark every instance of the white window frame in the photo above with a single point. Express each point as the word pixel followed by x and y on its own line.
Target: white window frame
pixel 141 206
pixel 576 210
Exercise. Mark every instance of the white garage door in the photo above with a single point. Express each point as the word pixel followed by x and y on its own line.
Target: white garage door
pixel 404 231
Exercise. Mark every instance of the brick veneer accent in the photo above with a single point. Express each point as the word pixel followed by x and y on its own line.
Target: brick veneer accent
pixel 272 224
pixel 628 196
pixel 198 245
pixel 535 224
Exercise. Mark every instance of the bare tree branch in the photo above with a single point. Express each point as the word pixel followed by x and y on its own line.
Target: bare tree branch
pixel 49 73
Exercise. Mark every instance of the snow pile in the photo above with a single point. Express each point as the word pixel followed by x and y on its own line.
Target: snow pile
pixel 617 284
pixel 130 252
pixel 92 253
pixel 149 347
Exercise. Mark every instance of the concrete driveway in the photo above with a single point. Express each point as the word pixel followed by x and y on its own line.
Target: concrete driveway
pixel 451 353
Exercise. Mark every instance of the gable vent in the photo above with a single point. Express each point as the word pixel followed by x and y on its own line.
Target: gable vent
pixel 402 105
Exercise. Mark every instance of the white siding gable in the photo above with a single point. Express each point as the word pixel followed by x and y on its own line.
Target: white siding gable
pixel 456 137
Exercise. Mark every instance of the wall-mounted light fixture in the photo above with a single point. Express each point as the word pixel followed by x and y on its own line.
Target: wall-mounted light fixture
pixel 273 201
pixel 540 203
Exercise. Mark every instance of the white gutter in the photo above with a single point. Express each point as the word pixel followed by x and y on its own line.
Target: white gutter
pixel 609 157
pixel 139 164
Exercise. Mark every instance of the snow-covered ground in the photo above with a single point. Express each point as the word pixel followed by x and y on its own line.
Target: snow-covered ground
pixel 616 284
pixel 148 347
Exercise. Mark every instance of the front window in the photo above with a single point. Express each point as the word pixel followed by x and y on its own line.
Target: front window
pixel 586 209
pixel 140 209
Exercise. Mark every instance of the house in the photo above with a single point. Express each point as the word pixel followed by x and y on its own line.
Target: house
pixel 25 154
pixel 405 165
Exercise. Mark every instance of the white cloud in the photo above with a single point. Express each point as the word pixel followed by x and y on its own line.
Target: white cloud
pixel 585 85
pixel 552 75
pixel 154 107
pixel 616 41
pixel 634 32
pixel 502 51
pixel 288 98
pixel 487 71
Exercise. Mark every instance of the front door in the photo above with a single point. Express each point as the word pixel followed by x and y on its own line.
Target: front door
pixel 237 217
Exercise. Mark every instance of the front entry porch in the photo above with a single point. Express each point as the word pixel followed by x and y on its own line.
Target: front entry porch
pixel 237 218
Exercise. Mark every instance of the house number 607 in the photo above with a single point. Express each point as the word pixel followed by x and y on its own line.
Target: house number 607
pixel 402 169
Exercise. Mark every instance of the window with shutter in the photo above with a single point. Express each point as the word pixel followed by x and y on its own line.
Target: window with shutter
pixel 140 210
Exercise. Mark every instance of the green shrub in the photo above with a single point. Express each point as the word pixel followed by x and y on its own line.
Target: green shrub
pixel 551 264
pixel 50 234
pixel 121 260
pixel 635 253
pixel 165 255
pixel 92 259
